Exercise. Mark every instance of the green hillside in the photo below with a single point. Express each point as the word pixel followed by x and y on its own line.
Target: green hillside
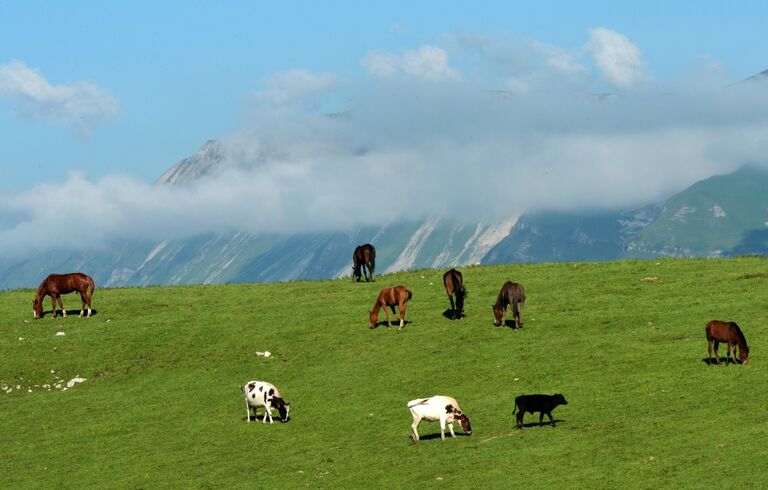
pixel 719 216
pixel 161 405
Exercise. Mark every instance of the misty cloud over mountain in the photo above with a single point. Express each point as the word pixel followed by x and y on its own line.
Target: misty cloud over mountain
pixel 475 128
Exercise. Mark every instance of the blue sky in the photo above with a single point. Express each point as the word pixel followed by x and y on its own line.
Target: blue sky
pixel 98 99
pixel 182 72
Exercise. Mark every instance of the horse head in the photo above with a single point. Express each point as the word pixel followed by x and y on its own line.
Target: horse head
pixel 498 315
pixel 373 319
pixel 37 308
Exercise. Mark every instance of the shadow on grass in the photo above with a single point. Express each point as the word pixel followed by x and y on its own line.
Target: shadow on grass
pixel 257 418
pixel 712 362
pixel 395 325
pixel 536 424
pixel 436 435
pixel 451 314
pixel 48 314
pixel 510 324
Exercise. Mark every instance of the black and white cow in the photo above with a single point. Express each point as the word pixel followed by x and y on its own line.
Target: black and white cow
pixel 263 394
pixel 438 408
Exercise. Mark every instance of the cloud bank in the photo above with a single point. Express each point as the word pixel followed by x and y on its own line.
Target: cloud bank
pixel 77 105
pixel 477 129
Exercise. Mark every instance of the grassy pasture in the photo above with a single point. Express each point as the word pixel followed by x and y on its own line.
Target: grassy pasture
pixel 162 407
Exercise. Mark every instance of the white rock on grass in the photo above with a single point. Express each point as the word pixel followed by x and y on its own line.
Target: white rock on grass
pixel 72 382
pixel 60 334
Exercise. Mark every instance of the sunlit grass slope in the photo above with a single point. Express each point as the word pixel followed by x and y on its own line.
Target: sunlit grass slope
pixel 161 406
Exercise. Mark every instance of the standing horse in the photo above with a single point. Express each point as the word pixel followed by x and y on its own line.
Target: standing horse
pixel 364 257
pixel 57 284
pixel 513 294
pixel 454 285
pixel 731 334
pixel 389 297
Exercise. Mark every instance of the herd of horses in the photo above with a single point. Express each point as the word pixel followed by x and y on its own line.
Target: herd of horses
pixel 363 265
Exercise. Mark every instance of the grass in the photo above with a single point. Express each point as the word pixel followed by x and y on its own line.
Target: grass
pixel 162 407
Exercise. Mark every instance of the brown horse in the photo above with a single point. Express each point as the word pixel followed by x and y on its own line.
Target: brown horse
pixel 454 285
pixel 513 294
pixel 730 333
pixel 364 258
pixel 389 297
pixel 57 284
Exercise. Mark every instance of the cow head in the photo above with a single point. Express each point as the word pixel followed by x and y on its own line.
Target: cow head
pixel 559 399
pixel 37 308
pixel 464 421
pixel 498 315
pixel 282 407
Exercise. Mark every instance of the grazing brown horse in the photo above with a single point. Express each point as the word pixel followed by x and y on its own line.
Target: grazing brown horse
pixel 57 284
pixel 513 294
pixel 454 285
pixel 730 333
pixel 389 297
pixel 364 258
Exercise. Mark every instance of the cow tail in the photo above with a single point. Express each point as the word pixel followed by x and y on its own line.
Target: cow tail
pixel 515 409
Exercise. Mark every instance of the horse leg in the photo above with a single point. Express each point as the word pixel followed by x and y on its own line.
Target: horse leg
pixel 63 310
pixel 82 304
pixel 521 306
pixel 402 307
pixel 717 356
pixel 386 311
pixel 709 351
pixel 453 307
pixel 53 301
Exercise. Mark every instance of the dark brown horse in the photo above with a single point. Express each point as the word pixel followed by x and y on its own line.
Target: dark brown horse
pixel 454 286
pixel 513 294
pixel 389 297
pixel 57 284
pixel 731 334
pixel 364 258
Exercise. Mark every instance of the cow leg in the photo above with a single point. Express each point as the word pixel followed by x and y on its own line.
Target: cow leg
pixel 415 428
pixel 247 411
pixel 541 418
pixel 267 413
pixel 450 427
pixel 551 420
pixel 520 419
pixel 442 428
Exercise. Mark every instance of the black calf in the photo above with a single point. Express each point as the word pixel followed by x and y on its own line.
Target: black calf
pixel 544 404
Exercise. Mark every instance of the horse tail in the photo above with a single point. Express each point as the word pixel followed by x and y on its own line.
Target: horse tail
pixel 91 285
pixel 410 294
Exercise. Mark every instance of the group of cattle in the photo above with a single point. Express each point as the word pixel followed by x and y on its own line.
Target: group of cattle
pixel 443 409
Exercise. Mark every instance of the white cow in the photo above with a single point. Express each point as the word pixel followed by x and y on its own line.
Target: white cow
pixel 442 408
pixel 263 394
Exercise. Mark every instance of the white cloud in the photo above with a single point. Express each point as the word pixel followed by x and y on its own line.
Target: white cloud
pixel 297 84
pixel 76 105
pixel 426 63
pixel 405 145
pixel 619 60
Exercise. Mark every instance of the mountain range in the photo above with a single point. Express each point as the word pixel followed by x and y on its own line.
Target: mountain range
pixel 721 216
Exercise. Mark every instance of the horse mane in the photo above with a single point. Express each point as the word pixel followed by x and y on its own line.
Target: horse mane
pixel 41 289
pixel 741 340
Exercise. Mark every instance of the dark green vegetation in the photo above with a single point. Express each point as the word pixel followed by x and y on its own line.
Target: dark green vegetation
pixel 162 406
